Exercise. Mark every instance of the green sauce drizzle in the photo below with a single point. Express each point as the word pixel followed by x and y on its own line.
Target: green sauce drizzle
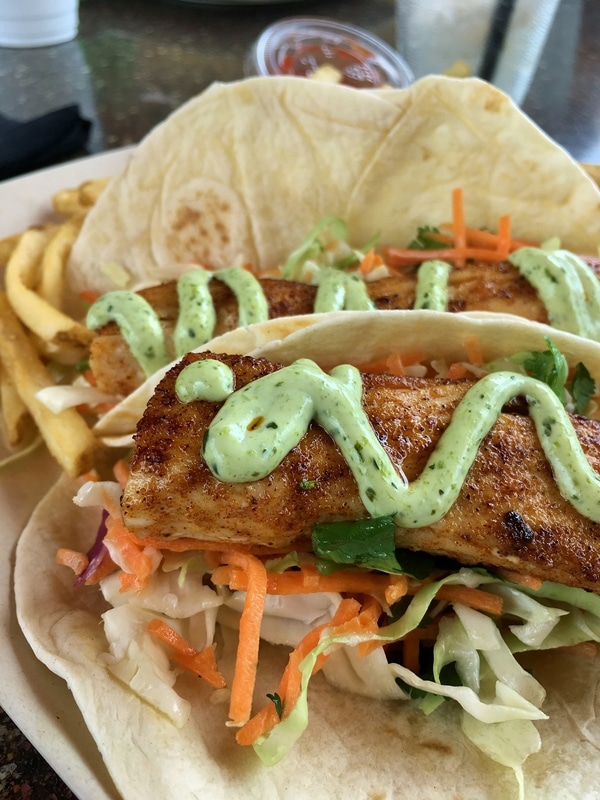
pixel 432 285
pixel 566 285
pixel 196 320
pixel 259 424
pixel 341 291
pixel 139 325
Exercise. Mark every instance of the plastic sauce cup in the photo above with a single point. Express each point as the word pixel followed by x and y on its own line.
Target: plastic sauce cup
pixel 323 49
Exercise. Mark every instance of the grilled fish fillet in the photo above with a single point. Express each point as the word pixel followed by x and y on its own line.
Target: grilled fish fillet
pixel 476 287
pixel 509 513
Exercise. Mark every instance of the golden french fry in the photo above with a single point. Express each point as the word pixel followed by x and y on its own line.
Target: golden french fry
pixel 54 262
pixel 90 191
pixel 65 339
pixel 7 245
pixel 18 423
pixel 69 202
pixel 66 434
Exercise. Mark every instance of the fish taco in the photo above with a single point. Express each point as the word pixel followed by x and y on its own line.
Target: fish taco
pixel 363 557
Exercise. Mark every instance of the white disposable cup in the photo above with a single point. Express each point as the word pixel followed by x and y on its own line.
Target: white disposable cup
pixel 450 36
pixel 37 23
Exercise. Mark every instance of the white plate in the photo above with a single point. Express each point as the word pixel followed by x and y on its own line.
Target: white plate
pixel 37 700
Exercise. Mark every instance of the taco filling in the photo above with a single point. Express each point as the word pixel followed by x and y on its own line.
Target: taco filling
pixel 138 333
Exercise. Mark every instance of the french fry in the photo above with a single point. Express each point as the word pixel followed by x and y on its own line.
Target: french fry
pixel 18 423
pixel 65 339
pixel 90 191
pixel 67 435
pixel 7 245
pixel 70 202
pixel 54 261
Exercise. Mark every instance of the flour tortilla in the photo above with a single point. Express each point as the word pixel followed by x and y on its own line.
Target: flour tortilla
pixel 245 170
pixel 354 746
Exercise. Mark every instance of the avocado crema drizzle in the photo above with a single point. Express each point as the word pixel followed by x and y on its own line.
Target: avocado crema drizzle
pixel 566 285
pixel 141 328
pixel 260 423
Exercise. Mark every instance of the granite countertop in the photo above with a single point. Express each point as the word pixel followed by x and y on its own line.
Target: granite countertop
pixel 135 62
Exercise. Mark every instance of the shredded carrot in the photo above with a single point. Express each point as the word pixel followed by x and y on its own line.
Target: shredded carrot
pixel 399 257
pixel 504 236
pixel 482 239
pixel 90 377
pixel 458 226
pixel 457 371
pixel 92 475
pixel 246 662
pixel 121 472
pixel 523 580
pixel 72 559
pixel 394 364
pixel 106 567
pixel 202 663
pixel 290 682
pixel 139 564
pixel 461 243
pixel 474 598
pixel 397 588
pixel 370 261
pixel 88 296
pixel 473 348
pixel 307 579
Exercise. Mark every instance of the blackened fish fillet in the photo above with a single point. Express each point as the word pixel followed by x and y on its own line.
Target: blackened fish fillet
pixel 509 512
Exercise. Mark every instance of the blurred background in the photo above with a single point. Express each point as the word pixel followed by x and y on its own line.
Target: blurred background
pixel 133 63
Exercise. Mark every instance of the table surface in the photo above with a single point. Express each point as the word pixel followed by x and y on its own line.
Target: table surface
pixel 133 63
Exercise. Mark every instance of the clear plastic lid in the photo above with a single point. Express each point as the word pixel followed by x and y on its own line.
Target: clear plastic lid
pixel 323 49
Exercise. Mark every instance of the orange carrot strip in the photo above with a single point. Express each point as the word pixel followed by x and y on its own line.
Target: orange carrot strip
pixel 474 598
pixel 88 296
pixel 397 588
pixel 397 257
pixel 121 472
pixel 202 663
pixel 72 559
pixel 370 260
pixel 308 580
pixel 138 563
pixel 473 348
pixel 457 371
pixel 242 687
pixel 504 236
pixel 523 580
pixel 458 225
pixel 377 367
pixel 485 239
pixel 107 567
pixel 394 365
pixel 267 717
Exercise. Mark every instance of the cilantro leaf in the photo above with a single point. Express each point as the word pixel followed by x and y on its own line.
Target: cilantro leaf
pixel 583 388
pixel 277 702
pixel 365 543
pixel 424 242
pixel 550 367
